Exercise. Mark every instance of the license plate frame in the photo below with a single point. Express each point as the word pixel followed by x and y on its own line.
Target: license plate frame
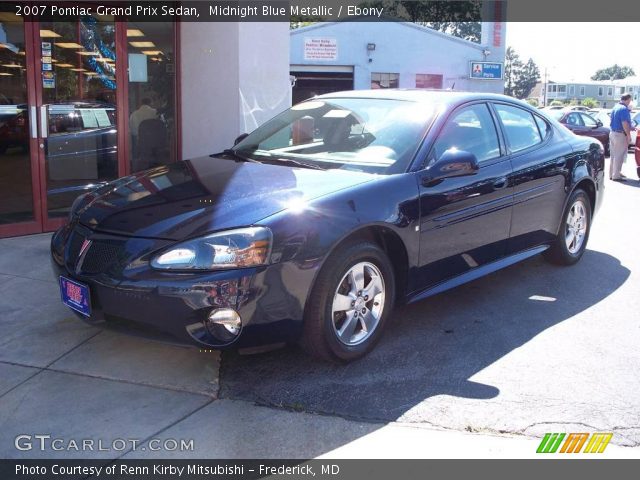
pixel 75 295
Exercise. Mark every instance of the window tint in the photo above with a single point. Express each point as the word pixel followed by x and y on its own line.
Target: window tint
pixel 519 126
pixel 588 120
pixel 542 126
pixel 470 129
pixel 574 119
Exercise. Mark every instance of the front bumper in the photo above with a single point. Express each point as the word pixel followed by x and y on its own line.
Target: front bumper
pixel 127 292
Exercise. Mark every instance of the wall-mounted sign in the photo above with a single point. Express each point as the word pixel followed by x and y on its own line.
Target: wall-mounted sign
pixel 47 67
pixel 485 70
pixel 46 49
pixel 324 49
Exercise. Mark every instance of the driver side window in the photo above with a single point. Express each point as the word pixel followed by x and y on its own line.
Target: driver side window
pixel 470 129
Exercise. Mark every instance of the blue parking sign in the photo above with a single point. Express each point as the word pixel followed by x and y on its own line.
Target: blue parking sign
pixel 485 70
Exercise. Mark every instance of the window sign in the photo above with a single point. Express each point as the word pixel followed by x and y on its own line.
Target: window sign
pixel 88 118
pixel 102 117
pixel 138 67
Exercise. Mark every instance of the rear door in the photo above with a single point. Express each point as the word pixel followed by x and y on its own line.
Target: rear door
pixel 465 221
pixel 539 160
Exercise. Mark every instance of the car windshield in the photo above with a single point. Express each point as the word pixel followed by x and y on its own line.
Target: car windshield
pixel 378 136
pixel 557 114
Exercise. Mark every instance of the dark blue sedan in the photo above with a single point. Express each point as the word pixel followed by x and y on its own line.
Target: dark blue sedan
pixel 311 228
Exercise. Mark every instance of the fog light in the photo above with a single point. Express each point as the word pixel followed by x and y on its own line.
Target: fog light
pixel 227 318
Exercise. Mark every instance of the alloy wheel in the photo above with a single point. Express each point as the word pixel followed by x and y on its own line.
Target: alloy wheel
pixel 358 303
pixel 576 227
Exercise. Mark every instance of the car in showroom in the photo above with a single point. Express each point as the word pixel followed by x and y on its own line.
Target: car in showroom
pixel 582 123
pixel 312 227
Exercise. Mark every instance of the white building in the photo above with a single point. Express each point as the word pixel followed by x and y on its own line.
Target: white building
pixel 360 55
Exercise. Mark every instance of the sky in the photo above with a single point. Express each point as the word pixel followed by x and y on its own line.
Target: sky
pixel 574 51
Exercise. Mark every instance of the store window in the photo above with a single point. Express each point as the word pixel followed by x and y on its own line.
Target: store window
pixel 79 93
pixel 384 80
pixel 152 94
pixel 16 194
pixel 428 80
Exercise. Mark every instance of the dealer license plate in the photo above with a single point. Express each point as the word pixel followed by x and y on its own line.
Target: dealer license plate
pixel 75 295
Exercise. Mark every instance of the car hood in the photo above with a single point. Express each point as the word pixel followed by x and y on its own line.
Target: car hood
pixel 198 196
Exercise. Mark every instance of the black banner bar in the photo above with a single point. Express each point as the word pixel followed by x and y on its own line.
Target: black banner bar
pixel 316 469
pixel 424 11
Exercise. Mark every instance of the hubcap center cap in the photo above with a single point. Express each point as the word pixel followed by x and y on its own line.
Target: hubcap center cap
pixel 359 303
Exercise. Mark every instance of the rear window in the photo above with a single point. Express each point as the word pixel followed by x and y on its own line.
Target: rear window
pixel 520 127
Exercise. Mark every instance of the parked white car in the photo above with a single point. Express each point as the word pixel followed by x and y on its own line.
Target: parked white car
pixel 604 115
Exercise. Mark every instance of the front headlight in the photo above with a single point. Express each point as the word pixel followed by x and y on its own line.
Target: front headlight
pixel 240 248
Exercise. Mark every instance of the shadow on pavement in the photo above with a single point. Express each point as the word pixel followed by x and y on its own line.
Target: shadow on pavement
pixel 431 347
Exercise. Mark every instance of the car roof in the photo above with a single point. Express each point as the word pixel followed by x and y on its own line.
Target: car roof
pixel 421 95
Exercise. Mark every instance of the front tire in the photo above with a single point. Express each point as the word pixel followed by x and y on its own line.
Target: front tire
pixel 572 238
pixel 349 304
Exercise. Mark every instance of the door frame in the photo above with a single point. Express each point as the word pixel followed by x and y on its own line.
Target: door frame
pixel 35 225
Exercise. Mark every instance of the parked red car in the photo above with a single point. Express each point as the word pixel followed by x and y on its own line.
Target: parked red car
pixel 637 155
pixel 582 123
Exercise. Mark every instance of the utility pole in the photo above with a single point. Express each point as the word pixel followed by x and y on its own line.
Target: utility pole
pixel 544 104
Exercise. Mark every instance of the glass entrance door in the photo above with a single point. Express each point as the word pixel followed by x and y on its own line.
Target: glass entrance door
pixel 77 110
pixel 19 212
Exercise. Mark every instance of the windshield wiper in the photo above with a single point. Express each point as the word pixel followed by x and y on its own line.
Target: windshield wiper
pixel 292 163
pixel 236 156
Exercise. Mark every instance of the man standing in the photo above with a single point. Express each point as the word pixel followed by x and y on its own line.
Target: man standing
pixel 620 136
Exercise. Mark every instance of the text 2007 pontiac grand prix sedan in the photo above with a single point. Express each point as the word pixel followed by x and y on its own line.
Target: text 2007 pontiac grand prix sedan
pixel 313 226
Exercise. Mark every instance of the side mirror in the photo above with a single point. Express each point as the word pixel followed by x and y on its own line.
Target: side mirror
pixel 598 124
pixel 240 138
pixel 452 163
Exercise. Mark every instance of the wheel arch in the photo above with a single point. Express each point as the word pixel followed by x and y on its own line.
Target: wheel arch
pixel 389 241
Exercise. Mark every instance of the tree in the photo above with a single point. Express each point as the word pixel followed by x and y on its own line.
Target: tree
pixel 615 72
pixel 458 18
pixel 512 71
pixel 519 78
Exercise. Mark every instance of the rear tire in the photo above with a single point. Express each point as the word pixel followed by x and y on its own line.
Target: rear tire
pixel 573 235
pixel 349 304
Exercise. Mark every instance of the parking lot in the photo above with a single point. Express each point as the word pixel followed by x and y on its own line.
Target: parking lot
pixel 500 361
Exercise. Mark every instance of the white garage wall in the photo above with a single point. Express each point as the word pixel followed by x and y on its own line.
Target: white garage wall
pixel 402 48
pixel 234 76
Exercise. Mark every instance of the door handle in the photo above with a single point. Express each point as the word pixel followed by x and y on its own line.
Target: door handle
pixel 500 183
pixel 44 124
pixel 33 125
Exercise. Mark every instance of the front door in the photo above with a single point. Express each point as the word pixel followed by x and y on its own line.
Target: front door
pixel 19 183
pixel 78 127
pixel 465 221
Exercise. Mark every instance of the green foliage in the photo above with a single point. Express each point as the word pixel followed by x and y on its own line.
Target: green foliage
pixel 533 102
pixel 590 102
pixel 519 77
pixel 458 18
pixel 556 103
pixel 614 72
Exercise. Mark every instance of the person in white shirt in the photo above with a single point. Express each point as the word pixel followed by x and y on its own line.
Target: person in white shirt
pixel 144 112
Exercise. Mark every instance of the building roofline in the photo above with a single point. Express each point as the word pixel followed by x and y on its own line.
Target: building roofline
pixel 421 28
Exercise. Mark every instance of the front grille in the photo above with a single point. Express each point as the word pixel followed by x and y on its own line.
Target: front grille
pixel 101 256
pixel 74 246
